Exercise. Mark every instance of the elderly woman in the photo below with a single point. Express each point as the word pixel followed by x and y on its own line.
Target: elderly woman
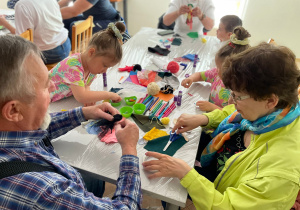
pixel 265 111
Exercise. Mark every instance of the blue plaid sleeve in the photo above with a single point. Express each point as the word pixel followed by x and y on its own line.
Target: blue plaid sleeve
pixel 62 122
pixel 47 190
pixel 129 183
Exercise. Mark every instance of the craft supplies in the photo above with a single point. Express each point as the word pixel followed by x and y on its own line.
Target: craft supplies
pixel 169 111
pixel 162 113
pixel 161 109
pixel 184 65
pixel 165 120
pixel 194 63
pixel 153 88
pixel 115 104
pixel 139 108
pixel 130 100
pixel 173 67
pixel 126 111
pixel 104 79
pixel 122 79
pixel 179 98
pixel 173 137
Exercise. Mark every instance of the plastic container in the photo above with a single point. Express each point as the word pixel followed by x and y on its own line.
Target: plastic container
pixel 115 104
pixel 130 100
pixel 126 111
pixel 139 108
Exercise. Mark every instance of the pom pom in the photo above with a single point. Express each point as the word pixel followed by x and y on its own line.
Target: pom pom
pixel 168 89
pixel 173 67
pixel 203 40
pixel 153 88
pixel 137 67
pixel 165 120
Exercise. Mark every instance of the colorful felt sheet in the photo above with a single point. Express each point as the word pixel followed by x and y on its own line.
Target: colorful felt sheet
pixel 157 145
pixel 145 123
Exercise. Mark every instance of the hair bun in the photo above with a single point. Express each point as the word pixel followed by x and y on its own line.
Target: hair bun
pixel 241 33
pixel 120 26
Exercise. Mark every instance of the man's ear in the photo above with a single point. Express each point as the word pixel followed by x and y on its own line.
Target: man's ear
pixel 11 111
pixel 272 101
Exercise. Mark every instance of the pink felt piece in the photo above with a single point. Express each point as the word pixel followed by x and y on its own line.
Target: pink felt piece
pixel 110 137
pixel 134 79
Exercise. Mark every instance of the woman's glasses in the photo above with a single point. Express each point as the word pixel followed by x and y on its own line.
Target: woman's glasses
pixel 238 98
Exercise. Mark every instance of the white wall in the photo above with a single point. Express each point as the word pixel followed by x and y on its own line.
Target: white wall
pixel 278 19
pixel 264 19
pixel 143 13
pixel 3 4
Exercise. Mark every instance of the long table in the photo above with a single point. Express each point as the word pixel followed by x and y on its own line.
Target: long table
pixel 86 151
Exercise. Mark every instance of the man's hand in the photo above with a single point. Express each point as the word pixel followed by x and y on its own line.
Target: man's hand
pixel 127 134
pixel 166 166
pixel 187 122
pixel 100 111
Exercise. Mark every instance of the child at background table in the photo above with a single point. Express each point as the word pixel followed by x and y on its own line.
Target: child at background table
pixel 219 95
pixel 75 74
pixel 226 26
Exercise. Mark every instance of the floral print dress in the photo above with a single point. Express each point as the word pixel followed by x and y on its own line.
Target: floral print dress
pixel 68 72
pixel 219 95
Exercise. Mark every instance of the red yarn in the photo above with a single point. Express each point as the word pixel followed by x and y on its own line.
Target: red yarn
pixel 173 67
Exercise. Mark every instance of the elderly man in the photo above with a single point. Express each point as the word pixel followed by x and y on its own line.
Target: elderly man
pixel 25 135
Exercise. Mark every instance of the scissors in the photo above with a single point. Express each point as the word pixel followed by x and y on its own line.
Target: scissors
pixel 173 137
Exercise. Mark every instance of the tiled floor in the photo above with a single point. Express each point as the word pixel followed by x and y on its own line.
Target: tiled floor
pixel 148 202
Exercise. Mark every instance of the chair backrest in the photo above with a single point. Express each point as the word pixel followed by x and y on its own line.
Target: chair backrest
pixel 81 35
pixel 27 35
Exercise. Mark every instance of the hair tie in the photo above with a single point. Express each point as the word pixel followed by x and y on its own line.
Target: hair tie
pixel 116 31
pixel 234 40
pixel 231 45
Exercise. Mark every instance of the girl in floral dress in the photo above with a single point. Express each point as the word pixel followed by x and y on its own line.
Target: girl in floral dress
pixel 75 74
pixel 219 95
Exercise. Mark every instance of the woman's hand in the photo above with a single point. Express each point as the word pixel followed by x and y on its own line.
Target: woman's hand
pixel 166 166
pixel 196 12
pixel 187 122
pixel 206 106
pixel 187 82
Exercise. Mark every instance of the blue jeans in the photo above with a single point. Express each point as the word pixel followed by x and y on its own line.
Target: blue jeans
pixel 57 54
pixel 99 25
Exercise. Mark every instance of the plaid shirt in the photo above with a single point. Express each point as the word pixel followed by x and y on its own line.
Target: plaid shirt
pixel 49 190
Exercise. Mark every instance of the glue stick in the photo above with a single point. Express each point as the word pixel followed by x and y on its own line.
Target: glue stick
pixel 179 98
pixel 104 80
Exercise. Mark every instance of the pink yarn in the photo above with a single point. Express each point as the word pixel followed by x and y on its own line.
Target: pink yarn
pixel 173 67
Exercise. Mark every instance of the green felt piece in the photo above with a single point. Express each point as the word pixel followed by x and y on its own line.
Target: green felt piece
pixel 157 145
pixel 193 35
pixel 145 123
pixel 1 27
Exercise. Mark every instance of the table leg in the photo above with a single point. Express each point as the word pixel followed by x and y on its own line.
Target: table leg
pixel 170 206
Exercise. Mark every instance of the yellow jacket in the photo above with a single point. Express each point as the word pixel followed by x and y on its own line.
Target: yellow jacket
pixel 265 176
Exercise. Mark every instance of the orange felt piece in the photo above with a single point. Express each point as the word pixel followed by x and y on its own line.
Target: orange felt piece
pixel 165 97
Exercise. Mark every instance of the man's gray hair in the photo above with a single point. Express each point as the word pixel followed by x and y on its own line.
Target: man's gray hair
pixel 15 81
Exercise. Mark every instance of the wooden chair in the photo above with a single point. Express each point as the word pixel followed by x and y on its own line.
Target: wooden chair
pixel 81 35
pixel 27 35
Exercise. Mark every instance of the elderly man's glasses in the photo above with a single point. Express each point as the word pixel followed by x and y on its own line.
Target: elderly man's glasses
pixel 238 98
